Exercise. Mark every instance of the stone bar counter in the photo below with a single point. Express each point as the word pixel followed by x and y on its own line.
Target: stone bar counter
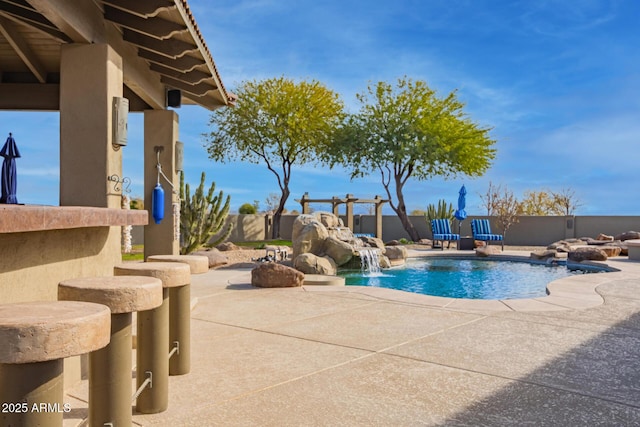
pixel 40 246
pixel 21 218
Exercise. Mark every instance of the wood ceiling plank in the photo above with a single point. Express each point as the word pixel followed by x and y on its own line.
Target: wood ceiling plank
pixel 23 50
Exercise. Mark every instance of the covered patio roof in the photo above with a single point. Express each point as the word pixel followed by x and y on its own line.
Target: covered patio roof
pixel 158 40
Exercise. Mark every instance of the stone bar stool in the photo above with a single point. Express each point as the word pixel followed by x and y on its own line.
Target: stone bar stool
pixel 36 337
pixel 179 303
pixel 110 367
pixel 153 346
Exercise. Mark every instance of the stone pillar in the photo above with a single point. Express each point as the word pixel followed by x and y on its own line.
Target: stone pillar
pixel 160 133
pixel 379 204
pixel 350 211
pixel 90 77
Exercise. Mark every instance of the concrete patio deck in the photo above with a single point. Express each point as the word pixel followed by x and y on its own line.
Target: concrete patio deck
pixel 352 356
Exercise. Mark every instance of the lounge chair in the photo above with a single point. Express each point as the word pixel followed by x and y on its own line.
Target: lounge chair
pixel 481 230
pixel 441 230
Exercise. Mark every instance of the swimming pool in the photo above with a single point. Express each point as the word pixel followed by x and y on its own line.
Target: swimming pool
pixel 464 278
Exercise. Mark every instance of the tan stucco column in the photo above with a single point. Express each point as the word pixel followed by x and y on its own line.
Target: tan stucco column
pixel 90 77
pixel 160 132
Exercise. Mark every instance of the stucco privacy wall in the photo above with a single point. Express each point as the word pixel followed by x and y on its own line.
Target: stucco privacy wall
pixel 529 230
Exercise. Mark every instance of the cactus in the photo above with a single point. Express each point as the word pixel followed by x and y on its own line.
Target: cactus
pixel 442 211
pixel 201 216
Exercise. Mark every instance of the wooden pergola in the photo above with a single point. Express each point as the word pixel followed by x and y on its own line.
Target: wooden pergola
pixel 349 200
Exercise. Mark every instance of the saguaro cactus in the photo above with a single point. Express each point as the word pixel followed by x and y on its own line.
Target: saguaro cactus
pixel 201 216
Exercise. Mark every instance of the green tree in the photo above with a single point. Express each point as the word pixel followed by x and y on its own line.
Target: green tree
pixel 201 216
pixel 277 122
pixel 539 203
pixel 407 131
pixel 247 209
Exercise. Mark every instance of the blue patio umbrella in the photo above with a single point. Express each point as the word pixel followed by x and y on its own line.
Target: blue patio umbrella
pixel 460 214
pixel 9 174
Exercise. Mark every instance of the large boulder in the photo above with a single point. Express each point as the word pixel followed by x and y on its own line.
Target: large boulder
pixel 216 259
pixel 329 220
pixel 604 237
pixel 396 252
pixel 385 262
pixel 274 275
pixel 587 253
pixel 374 242
pixel 566 245
pixel 611 250
pixel 628 235
pixel 487 251
pixel 299 223
pixel 310 238
pixel 544 255
pixel 341 252
pixel 309 263
pixel 227 246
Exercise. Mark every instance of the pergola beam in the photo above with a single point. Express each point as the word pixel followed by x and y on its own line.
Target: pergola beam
pixel 142 8
pixel 199 89
pixel 136 73
pixel 182 64
pixel 30 96
pixel 23 13
pixel 23 50
pixel 170 48
pixel 191 77
pixel 157 28
pixel 81 20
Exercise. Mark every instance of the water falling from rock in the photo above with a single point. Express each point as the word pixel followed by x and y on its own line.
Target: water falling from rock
pixel 370 264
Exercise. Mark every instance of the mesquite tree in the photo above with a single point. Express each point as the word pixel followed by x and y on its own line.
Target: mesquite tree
pixel 279 123
pixel 202 216
pixel 407 131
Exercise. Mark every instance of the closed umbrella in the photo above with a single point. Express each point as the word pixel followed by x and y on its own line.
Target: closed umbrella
pixel 460 214
pixel 9 175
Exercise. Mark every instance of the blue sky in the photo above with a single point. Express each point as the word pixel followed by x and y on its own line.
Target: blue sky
pixel 558 81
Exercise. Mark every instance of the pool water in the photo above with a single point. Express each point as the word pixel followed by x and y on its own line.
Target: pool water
pixel 463 278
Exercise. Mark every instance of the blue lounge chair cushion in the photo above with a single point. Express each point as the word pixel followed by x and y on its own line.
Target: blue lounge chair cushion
pixel 488 237
pixel 482 230
pixel 441 229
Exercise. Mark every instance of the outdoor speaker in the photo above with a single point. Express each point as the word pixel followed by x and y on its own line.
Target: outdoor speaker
pixel 174 98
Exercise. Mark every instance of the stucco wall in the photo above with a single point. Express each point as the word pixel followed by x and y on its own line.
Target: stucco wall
pixel 529 230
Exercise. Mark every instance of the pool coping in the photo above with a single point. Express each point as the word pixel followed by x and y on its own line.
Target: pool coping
pixel 570 293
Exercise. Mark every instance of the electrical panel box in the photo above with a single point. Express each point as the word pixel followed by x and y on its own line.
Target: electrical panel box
pixel 120 116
